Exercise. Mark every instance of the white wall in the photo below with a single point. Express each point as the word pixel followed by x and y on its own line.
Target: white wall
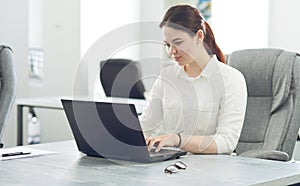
pixel 99 17
pixel 151 46
pixel 35 23
pixel 61 44
pixel 54 26
pixel 240 24
pixel 99 20
pixel 284 27
pixel 14 33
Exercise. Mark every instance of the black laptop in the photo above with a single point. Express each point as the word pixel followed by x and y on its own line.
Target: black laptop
pixel 111 131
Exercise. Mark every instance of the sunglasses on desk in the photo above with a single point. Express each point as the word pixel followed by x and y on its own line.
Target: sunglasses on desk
pixel 174 168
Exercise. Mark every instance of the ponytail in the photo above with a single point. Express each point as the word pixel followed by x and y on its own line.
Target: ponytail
pixel 211 45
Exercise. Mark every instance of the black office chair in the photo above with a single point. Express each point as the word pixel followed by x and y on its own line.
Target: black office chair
pixel 7 86
pixel 122 78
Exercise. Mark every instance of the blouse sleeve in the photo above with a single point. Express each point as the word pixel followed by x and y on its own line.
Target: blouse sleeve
pixel 152 114
pixel 231 114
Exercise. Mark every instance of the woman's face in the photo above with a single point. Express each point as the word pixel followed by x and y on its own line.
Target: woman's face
pixel 180 45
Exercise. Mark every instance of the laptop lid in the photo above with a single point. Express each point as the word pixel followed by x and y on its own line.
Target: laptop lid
pixel 108 130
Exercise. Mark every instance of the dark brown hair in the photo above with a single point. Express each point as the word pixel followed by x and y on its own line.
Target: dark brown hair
pixel 190 20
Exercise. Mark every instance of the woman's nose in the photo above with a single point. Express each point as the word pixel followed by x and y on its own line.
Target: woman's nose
pixel 172 50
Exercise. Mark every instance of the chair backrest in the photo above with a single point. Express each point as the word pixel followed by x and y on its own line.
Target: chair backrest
pixel 122 78
pixel 7 85
pixel 272 118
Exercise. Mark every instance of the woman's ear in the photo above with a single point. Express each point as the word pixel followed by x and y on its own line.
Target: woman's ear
pixel 200 35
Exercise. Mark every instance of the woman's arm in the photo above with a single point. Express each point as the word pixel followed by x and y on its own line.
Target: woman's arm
pixel 152 115
pixel 193 144
pixel 198 144
pixel 231 113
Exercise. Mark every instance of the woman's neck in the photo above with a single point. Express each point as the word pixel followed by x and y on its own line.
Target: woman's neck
pixel 195 68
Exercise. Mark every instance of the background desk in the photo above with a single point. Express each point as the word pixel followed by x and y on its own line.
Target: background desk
pixel 43 102
pixel 69 167
pixel 55 103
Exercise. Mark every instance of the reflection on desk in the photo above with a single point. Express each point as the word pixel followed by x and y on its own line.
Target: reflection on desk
pixel 70 167
pixel 55 103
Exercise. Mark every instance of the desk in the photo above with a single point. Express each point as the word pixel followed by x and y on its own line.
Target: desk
pixel 48 103
pixel 44 102
pixel 55 103
pixel 70 167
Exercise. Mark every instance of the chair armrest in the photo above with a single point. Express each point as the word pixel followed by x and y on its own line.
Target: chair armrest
pixel 266 154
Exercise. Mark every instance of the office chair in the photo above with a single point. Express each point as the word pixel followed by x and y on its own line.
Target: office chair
pixel 272 118
pixel 7 86
pixel 122 78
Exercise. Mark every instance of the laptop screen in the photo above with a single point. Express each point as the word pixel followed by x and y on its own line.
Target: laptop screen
pixel 110 130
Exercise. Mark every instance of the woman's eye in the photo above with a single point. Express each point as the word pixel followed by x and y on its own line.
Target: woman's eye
pixel 177 43
pixel 167 45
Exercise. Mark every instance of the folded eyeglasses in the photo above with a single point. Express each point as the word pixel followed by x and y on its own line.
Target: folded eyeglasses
pixel 174 168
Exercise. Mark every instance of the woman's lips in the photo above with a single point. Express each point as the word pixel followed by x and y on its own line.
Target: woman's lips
pixel 177 58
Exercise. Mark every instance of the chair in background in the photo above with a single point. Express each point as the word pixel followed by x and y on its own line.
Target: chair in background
pixel 272 118
pixel 7 86
pixel 122 78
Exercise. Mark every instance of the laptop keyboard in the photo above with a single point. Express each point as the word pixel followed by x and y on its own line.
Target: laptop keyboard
pixel 162 152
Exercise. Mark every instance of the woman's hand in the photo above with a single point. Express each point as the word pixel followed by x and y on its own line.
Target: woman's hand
pixel 193 144
pixel 167 140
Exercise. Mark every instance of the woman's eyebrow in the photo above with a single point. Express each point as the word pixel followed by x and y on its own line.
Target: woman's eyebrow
pixel 174 40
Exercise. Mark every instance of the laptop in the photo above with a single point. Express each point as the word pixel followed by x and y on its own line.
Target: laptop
pixel 111 131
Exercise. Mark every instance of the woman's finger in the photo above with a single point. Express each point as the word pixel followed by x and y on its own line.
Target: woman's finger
pixel 147 141
pixel 160 145
pixel 152 142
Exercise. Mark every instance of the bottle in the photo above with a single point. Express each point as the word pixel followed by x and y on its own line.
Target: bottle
pixel 34 128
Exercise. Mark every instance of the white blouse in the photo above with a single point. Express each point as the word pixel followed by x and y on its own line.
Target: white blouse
pixel 212 104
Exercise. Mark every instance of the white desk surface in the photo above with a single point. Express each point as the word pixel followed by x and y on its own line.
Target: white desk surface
pixel 70 167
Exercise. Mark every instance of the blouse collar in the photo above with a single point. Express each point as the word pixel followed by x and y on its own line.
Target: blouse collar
pixel 209 70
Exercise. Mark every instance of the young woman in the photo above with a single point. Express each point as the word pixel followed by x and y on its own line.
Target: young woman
pixel 199 103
